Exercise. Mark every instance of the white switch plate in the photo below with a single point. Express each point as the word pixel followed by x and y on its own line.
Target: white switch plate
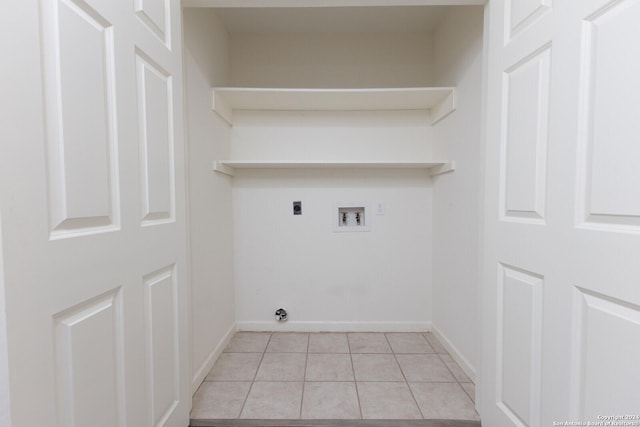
pixel 379 208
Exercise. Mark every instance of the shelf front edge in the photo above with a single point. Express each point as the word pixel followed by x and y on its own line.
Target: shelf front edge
pixel 231 164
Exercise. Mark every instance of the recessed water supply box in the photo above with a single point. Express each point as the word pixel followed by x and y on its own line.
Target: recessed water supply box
pixel 351 217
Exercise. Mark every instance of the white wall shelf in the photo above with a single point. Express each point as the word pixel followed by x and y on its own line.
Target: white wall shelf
pixel 440 101
pixel 435 167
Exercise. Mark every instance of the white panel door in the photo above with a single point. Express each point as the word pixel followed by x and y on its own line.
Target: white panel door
pixel 93 223
pixel 561 301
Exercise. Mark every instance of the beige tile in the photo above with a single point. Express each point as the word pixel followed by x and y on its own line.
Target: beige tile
pixel 455 369
pixel 235 367
pixel 424 368
pixel 288 343
pixel 332 400
pixel 282 367
pixel 273 400
pixel 329 367
pixel 248 342
pixel 376 367
pixel 368 343
pixel 328 343
pixel 470 388
pixel 390 400
pixel 409 343
pixel 437 346
pixel 219 399
pixel 443 401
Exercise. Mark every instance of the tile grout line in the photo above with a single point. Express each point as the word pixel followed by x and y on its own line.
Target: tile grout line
pixel 452 374
pixel 448 369
pixel 440 357
pixel 255 375
pixel 429 343
pixel 304 376
pixel 465 390
pixel 395 357
pixel 355 382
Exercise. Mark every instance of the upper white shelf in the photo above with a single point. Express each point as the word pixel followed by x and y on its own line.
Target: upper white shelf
pixel 439 100
pixel 434 167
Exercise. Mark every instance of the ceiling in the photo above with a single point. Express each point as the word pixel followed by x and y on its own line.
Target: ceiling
pixel 384 19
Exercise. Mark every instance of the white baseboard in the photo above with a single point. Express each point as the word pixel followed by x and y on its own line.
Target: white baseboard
pixel 291 326
pixel 204 369
pixel 466 366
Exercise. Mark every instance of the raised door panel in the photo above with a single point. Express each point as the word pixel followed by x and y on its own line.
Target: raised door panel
pixel 609 196
pixel 155 14
pixel 89 363
pixel 522 13
pixel 520 344
pixel 80 119
pixel 162 343
pixel 524 145
pixel 606 354
pixel 155 123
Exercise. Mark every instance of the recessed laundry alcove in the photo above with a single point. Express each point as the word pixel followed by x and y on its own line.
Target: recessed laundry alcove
pixel 334 106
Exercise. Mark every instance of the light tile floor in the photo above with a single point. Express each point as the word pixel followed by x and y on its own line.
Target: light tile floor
pixel 335 376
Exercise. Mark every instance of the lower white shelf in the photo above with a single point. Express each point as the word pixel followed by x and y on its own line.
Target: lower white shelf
pixel 228 166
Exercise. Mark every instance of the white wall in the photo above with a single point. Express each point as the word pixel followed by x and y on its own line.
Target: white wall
pixel 332 136
pixel 211 223
pixel 376 280
pixel 331 60
pixel 456 214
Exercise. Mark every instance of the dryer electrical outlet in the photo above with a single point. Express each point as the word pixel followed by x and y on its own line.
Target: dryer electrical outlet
pixel 351 217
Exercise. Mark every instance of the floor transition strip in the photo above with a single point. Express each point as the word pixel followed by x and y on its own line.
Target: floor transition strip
pixel 333 423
